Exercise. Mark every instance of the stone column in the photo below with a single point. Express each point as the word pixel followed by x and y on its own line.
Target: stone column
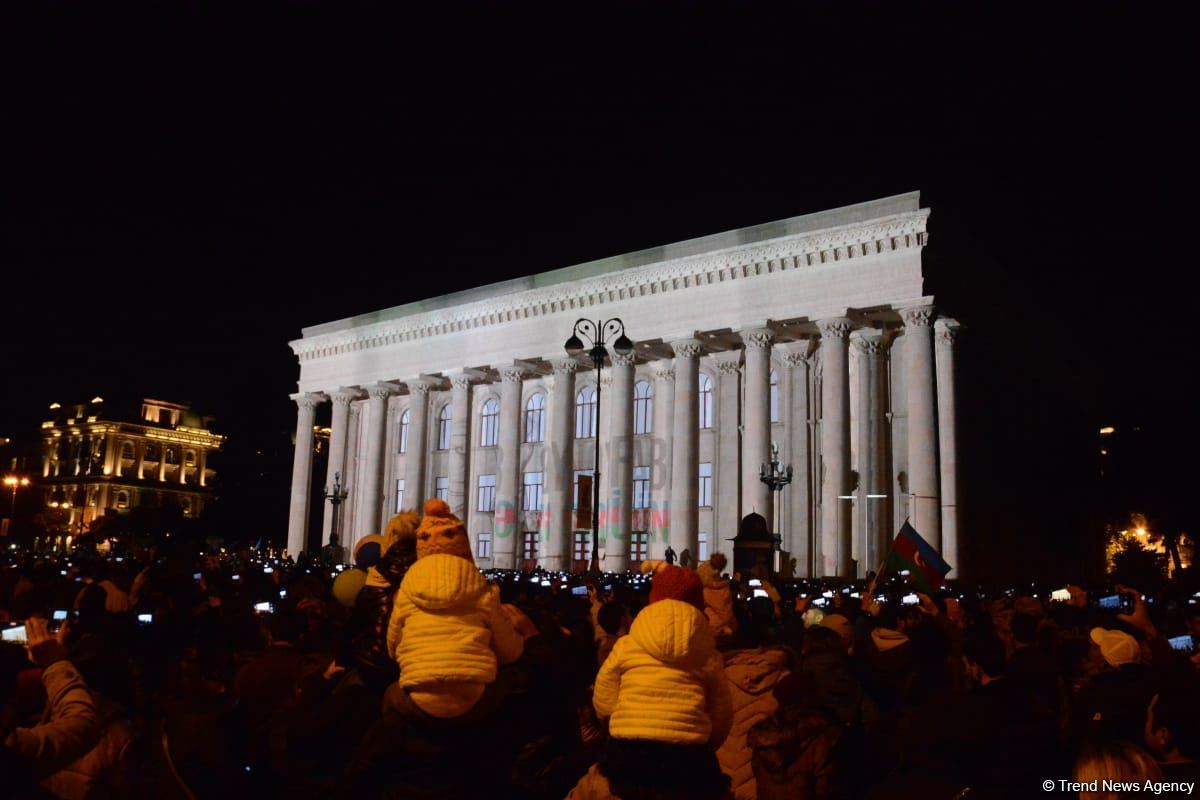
pixel 922 424
pixel 349 518
pixel 506 534
pixel 202 460
pixel 141 460
pixel 660 466
pixel 756 431
pixel 340 420
pixel 560 464
pixel 945 332
pixel 873 440
pixel 836 515
pixel 306 404
pixel 728 475
pixel 460 427
pixel 620 464
pixel 685 450
pixel 414 459
pixel 370 519
pixel 162 462
pixel 798 538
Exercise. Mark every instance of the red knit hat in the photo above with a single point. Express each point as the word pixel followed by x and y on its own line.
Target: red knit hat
pixel 677 583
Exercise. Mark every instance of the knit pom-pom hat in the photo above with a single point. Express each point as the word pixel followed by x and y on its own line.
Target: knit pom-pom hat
pixel 677 583
pixel 442 532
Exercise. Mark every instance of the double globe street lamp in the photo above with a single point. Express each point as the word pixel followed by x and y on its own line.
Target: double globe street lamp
pixel 597 332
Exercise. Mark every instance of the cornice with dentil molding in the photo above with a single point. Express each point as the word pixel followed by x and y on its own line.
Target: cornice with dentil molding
pixel 841 243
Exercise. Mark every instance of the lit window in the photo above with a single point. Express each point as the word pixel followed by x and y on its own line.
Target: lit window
pixel 490 429
pixel 643 408
pixel 583 546
pixel 703 545
pixel 483 545
pixel 404 431
pixel 127 451
pixel 189 458
pixel 441 488
pixel 639 546
pixel 122 500
pixel 774 396
pixel 706 401
pixel 445 423
pixel 578 474
pixel 399 495
pixel 487 493
pixel 531 498
pixel 529 548
pixel 641 487
pixel 585 413
pixel 186 506
pixel 535 419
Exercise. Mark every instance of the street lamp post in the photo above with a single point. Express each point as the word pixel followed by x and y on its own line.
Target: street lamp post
pixel 336 495
pixel 596 333
pixel 775 476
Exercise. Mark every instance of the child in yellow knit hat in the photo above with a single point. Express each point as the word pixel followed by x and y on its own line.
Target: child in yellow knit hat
pixel 448 631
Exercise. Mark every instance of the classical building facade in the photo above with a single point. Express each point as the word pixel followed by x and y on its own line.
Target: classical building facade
pixel 814 333
pixel 122 455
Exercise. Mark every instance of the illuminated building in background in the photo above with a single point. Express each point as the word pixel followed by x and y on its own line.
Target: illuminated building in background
pixel 148 453
pixel 813 333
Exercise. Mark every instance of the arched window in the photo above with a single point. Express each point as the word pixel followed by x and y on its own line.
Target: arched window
pixel 445 422
pixel 127 451
pixel 774 396
pixel 122 500
pixel 490 429
pixel 171 456
pixel 643 408
pixel 585 413
pixel 706 401
pixel 404 431
pixel 535 419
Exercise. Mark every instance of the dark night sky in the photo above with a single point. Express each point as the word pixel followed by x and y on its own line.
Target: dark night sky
pixel 183 192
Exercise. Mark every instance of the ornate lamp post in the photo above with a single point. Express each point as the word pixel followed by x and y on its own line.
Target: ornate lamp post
pixel 596 333
pixel 775 476
pixel 14 482
pixel 336 495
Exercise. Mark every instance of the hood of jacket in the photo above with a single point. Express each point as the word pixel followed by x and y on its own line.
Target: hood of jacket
pixel 886 639
pixel 674 632
pixel 756 671
pixel 440 582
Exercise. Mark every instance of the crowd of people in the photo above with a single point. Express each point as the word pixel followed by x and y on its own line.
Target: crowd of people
pixel 413 674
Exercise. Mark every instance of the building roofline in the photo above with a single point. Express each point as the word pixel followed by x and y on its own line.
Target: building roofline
pixel 805 223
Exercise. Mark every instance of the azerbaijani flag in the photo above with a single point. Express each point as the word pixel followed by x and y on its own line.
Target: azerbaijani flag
pixel 926 569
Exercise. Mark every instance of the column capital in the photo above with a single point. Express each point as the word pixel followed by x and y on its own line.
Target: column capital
pixel 917 316
pixel 664 370
pixel 869 341
pixel 686 348
pixel 462 379
pixel 308 400
pixel 623 359
pixel 797 354
pixel 564 365
pixel 757 337
pixel 344 395
pixel 422 386
pixel 946 331
pixel 514 373
pixel 382 390
pixel 835 327
pixel 728 362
